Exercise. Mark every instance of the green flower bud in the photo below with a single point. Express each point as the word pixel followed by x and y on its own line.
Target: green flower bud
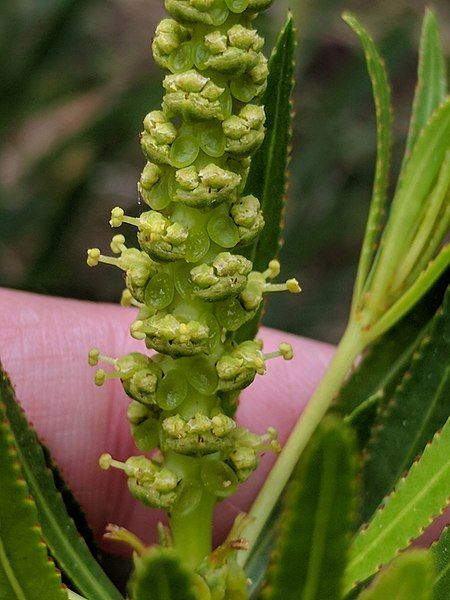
pixel 193 95
pixel 226 277
pixel 245 132
pixel 158 236
pixel 248 217
pixel 235 53
pixel 206 187
pixel 169 35
pixel 237 369
pixel 196 11
pixel 199 435
pixel 166 334
pixel 190 290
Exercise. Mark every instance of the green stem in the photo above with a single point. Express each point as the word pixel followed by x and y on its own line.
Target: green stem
pixel 192 532
pixel 351 345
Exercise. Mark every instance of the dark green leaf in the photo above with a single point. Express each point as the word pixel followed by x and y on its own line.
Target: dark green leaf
pixel 417 500
pixel 416 410
pixel 268 171
pixel 26 572
pixel 160 575
pixel 60 533
pixel 409 576
pixel 74 510
pixel 382 99
pixel 441 552
pixel 431 79
pixel 311 550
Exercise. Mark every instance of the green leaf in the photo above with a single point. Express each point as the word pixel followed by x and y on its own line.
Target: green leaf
pixel 441 553
pixel 160 575
pixel 431 79
pixel 268 171
pixel 409 576
pixel 416 501
pixel 66 545
pixel 416 410
pixel 74 510
pixel 26 572
pixel 383 109
pixel 418 289
pixel 311 549
pixel 410 203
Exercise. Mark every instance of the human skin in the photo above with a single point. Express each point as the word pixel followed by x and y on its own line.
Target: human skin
pixel 44 345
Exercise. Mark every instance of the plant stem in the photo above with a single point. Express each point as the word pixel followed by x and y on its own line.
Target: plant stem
pixel 192 533
pixel 352 343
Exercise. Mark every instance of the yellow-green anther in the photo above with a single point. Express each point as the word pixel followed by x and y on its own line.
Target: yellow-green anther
pixel 93 257
pixel 93 357
pixel 100 377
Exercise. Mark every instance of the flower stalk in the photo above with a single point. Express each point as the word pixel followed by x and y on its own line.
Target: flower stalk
pixel 189 281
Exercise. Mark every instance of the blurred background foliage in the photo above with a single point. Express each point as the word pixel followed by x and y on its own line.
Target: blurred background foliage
pixel 77 80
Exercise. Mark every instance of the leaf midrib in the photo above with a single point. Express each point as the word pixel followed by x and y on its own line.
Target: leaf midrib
pixel 326 495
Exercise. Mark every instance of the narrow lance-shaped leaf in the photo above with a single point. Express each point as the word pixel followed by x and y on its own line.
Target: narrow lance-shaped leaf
pixel 60 533
pixel 441 553
pixel 311 550
pixel 410 204
pixel 382 99
pixel 416 410
pixel 431 79
pixel 268 171
pixel 160 575
pixel 416 501
pixel 418 289
pixel 26 572
pixel 409 576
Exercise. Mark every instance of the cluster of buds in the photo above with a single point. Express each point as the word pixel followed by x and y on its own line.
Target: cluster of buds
pixel 189 280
